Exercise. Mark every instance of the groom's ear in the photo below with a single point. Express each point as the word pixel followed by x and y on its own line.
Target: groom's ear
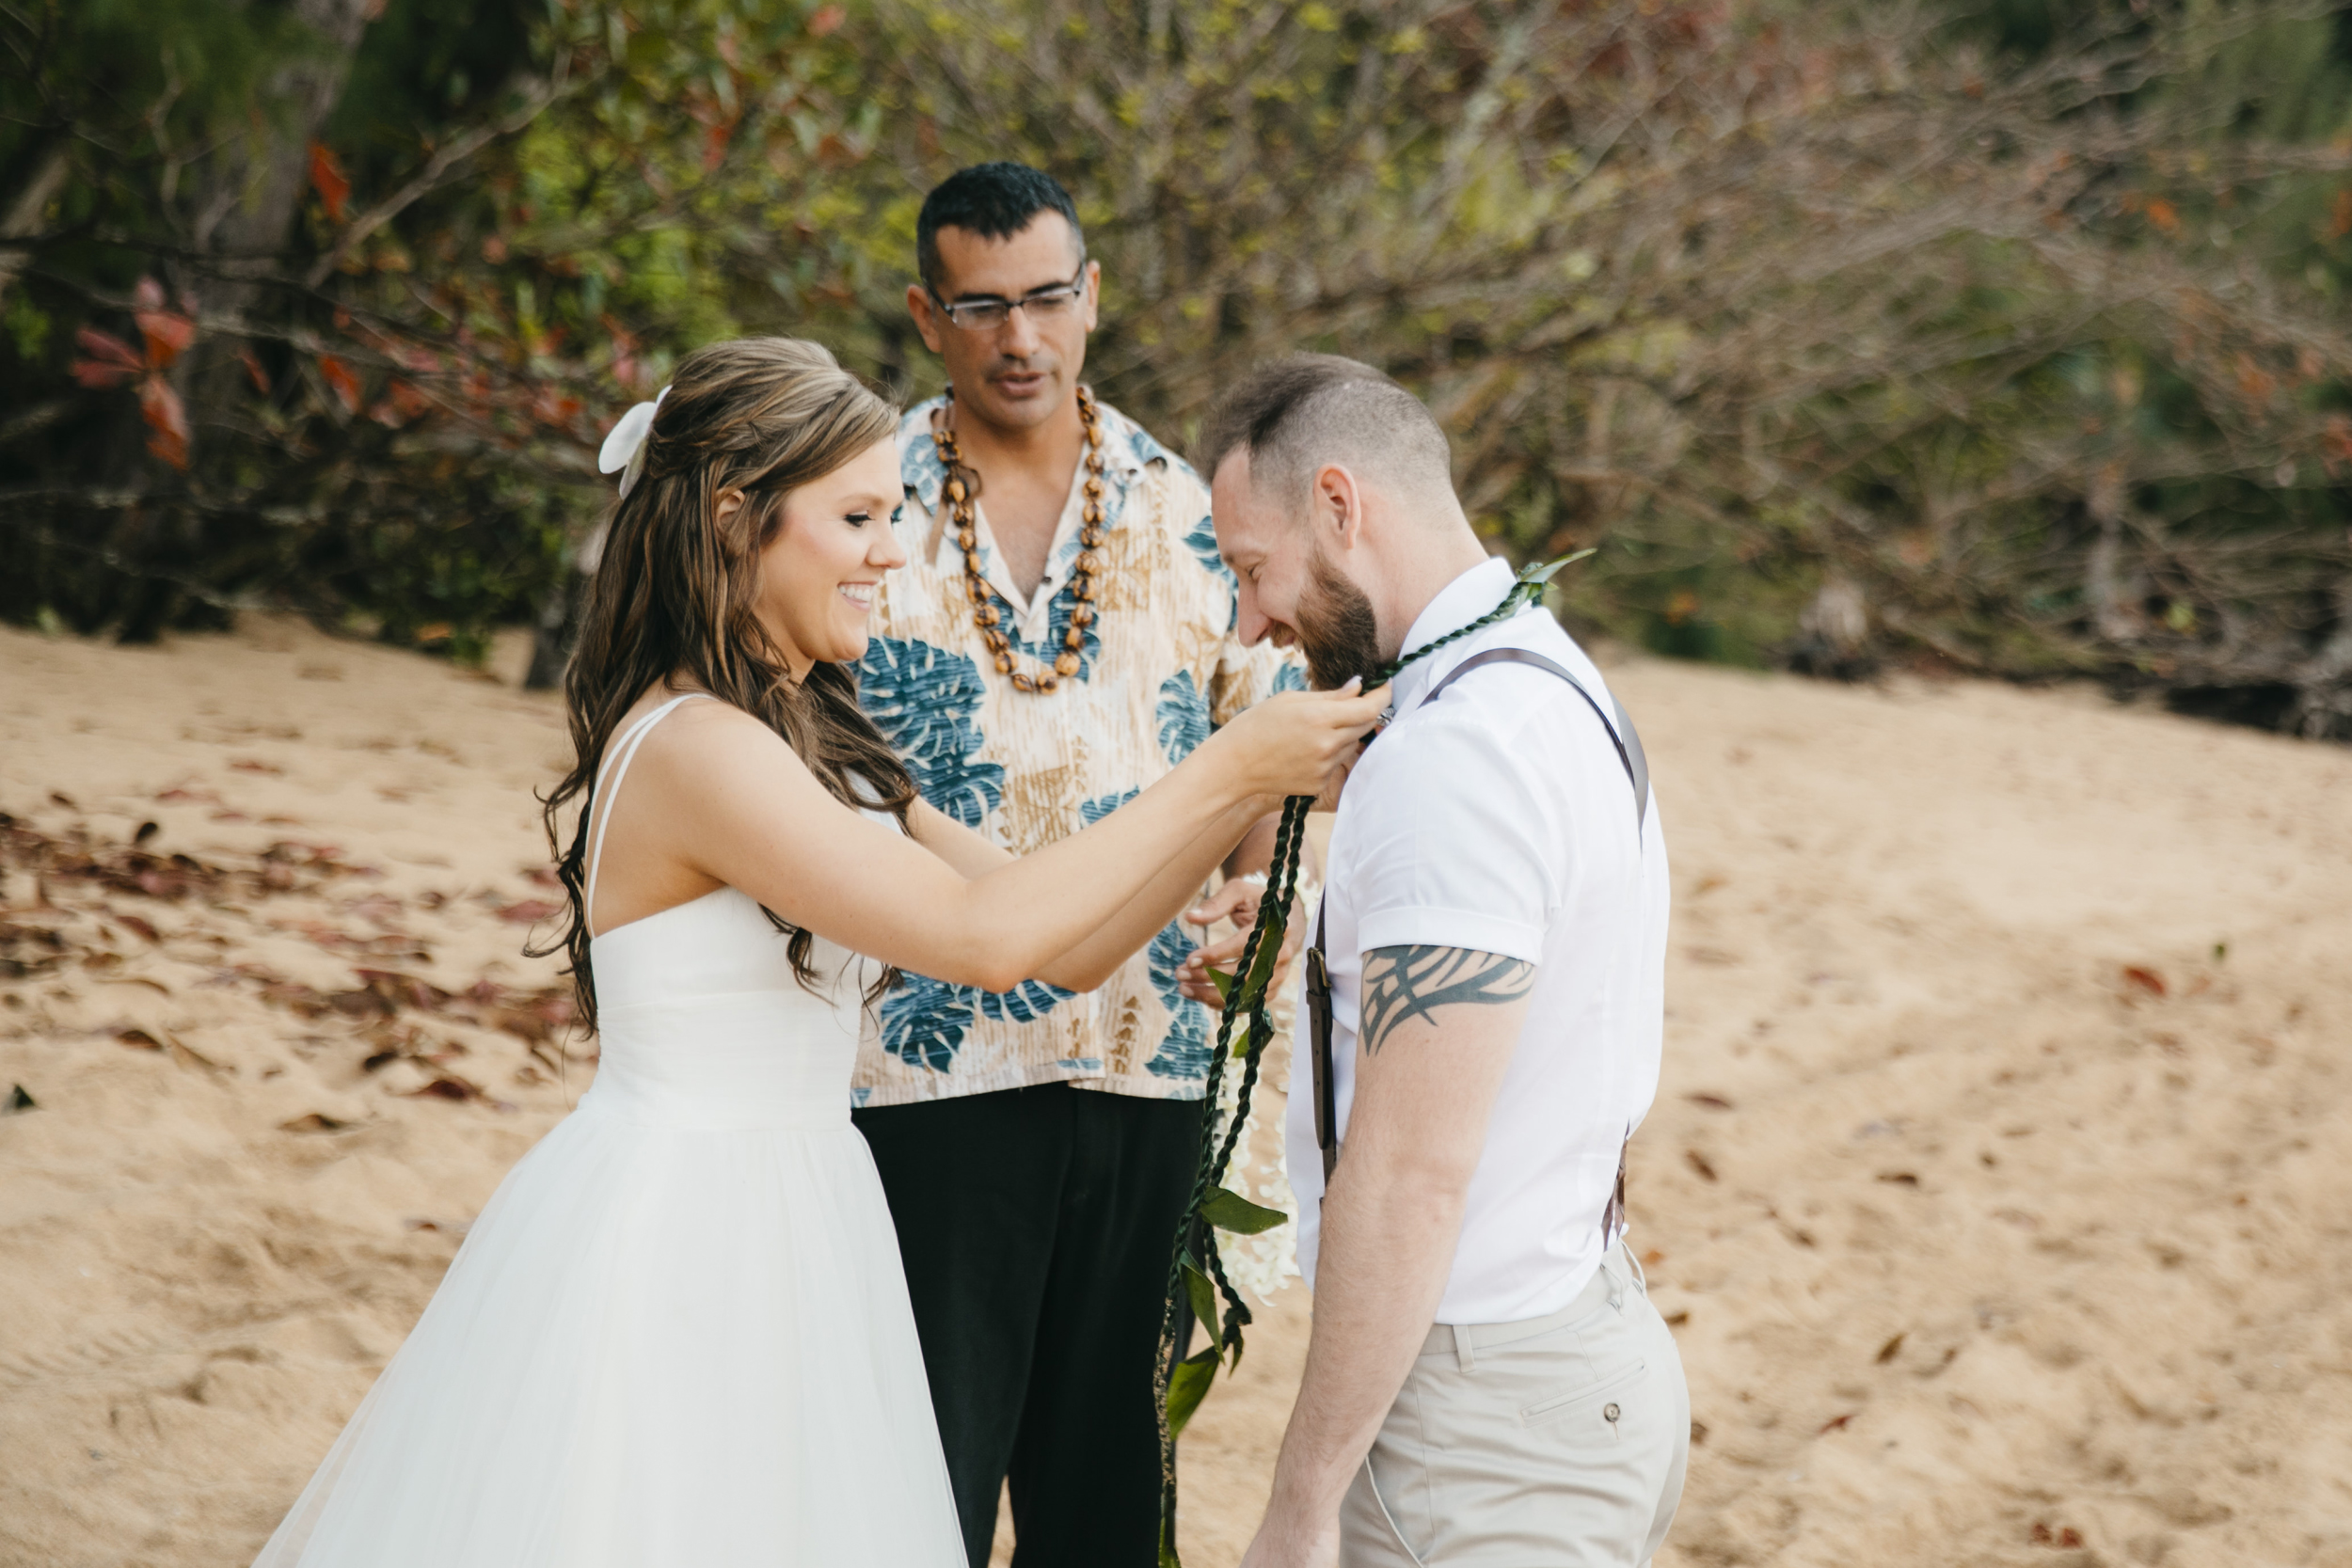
pixel 1337 501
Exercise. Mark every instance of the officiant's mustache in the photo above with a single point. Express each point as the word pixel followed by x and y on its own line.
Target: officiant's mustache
pixel 1336 630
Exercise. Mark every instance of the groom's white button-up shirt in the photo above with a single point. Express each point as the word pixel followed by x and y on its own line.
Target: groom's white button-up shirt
pixel 1499 818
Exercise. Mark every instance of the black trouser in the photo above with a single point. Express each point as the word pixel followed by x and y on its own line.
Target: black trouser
pixel 1035 1227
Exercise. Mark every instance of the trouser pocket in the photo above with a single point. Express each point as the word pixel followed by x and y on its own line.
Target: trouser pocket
pixel 1591 1414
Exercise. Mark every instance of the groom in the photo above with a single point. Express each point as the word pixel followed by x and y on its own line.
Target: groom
pixel 1062 636
pixel 1486 1382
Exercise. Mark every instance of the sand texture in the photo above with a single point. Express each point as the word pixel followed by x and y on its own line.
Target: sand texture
pixel 1996 1188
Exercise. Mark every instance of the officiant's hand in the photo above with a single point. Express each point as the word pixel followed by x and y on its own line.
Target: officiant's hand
pixel 1236 901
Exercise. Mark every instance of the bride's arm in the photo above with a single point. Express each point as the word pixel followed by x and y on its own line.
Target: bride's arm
pixel 724 796
pixel 1143 917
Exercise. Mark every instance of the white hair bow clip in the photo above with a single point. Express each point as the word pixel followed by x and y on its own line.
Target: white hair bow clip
pixel 624 450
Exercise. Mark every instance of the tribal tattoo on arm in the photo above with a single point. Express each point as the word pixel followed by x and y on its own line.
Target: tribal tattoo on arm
pixel 1403 983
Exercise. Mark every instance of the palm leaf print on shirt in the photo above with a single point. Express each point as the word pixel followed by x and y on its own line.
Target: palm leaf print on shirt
pixel 923 1020
pixel 1201 542
pixel 922 699
pixel 1184 1052
pixel 1183 715
pixel 1091 812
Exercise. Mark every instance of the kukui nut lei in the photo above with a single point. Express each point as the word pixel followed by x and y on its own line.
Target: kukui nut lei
pixel 964 494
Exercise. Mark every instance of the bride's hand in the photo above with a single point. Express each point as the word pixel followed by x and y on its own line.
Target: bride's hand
pixel 1295 742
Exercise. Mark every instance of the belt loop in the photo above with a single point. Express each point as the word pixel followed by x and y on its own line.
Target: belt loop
pixel 1615 1277
pixel 1465 1349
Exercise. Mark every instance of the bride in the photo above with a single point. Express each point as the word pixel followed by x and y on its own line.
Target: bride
pixel 679 1334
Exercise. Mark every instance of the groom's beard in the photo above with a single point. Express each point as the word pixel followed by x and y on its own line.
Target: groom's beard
pixel 1336 628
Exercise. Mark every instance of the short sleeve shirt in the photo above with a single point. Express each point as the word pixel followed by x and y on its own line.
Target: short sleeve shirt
pixel 1161 669
pixel 1499 818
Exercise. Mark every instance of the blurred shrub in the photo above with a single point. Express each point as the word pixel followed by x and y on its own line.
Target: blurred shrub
pixel 2010 341
pixel 417 286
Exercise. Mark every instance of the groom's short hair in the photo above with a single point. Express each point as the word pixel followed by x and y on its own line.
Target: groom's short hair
pixel 1298 413
pixel 994 200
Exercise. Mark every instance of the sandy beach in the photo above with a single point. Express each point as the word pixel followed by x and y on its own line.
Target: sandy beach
pixel 1995 1188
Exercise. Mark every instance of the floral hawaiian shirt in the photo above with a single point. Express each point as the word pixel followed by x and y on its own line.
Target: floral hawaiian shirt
pixel 1161 669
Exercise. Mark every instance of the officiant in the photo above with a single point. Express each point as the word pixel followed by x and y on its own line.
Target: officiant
pixel 1062 636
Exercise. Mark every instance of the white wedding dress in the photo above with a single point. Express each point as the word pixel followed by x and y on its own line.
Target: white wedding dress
pixel 679 1334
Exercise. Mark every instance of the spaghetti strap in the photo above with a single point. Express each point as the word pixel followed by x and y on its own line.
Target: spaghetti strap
pixel 619 754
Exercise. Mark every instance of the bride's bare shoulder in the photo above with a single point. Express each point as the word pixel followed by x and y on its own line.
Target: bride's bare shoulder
pixel 714 750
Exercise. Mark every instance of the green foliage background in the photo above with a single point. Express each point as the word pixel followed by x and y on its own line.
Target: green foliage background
pixel 2008 339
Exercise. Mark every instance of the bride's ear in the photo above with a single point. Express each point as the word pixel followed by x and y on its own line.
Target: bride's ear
pixel 730 502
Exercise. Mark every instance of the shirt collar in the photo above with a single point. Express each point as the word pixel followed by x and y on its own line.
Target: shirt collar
pixel 1126 448
pixel 1458 604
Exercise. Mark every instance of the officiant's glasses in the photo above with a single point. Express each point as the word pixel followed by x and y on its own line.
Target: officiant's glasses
pixel 986 314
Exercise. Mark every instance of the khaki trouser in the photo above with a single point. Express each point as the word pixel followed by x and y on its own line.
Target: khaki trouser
pixel 1555 1441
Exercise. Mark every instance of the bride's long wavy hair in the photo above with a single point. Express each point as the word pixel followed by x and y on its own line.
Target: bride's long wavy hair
pixel 674 592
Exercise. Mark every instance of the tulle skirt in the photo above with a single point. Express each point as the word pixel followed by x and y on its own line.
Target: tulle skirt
pixel 658 1346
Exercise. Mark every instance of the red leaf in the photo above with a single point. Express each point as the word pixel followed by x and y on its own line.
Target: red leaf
pixel 407 400
pixel 112 362
pixel 715 145
pixel 530 911
pixel 168 416
pixel 2146 979
pixel 334 186
pixel 827 19
pixel 339 378
pixel 90 373
pixel 168 332
pixel 253 369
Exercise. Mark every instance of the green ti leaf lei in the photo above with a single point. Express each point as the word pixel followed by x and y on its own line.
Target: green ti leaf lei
pixel 1195 1272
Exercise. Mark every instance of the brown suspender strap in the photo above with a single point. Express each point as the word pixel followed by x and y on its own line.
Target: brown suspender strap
pixel 1620 728
pixel 1319 1040
pixel 1629 744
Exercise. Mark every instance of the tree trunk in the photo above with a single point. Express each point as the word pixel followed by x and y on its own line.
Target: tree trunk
pixel 249 207
pixel 2114 608
pixel 243 207
pixel 2324 686
pixel 23 217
